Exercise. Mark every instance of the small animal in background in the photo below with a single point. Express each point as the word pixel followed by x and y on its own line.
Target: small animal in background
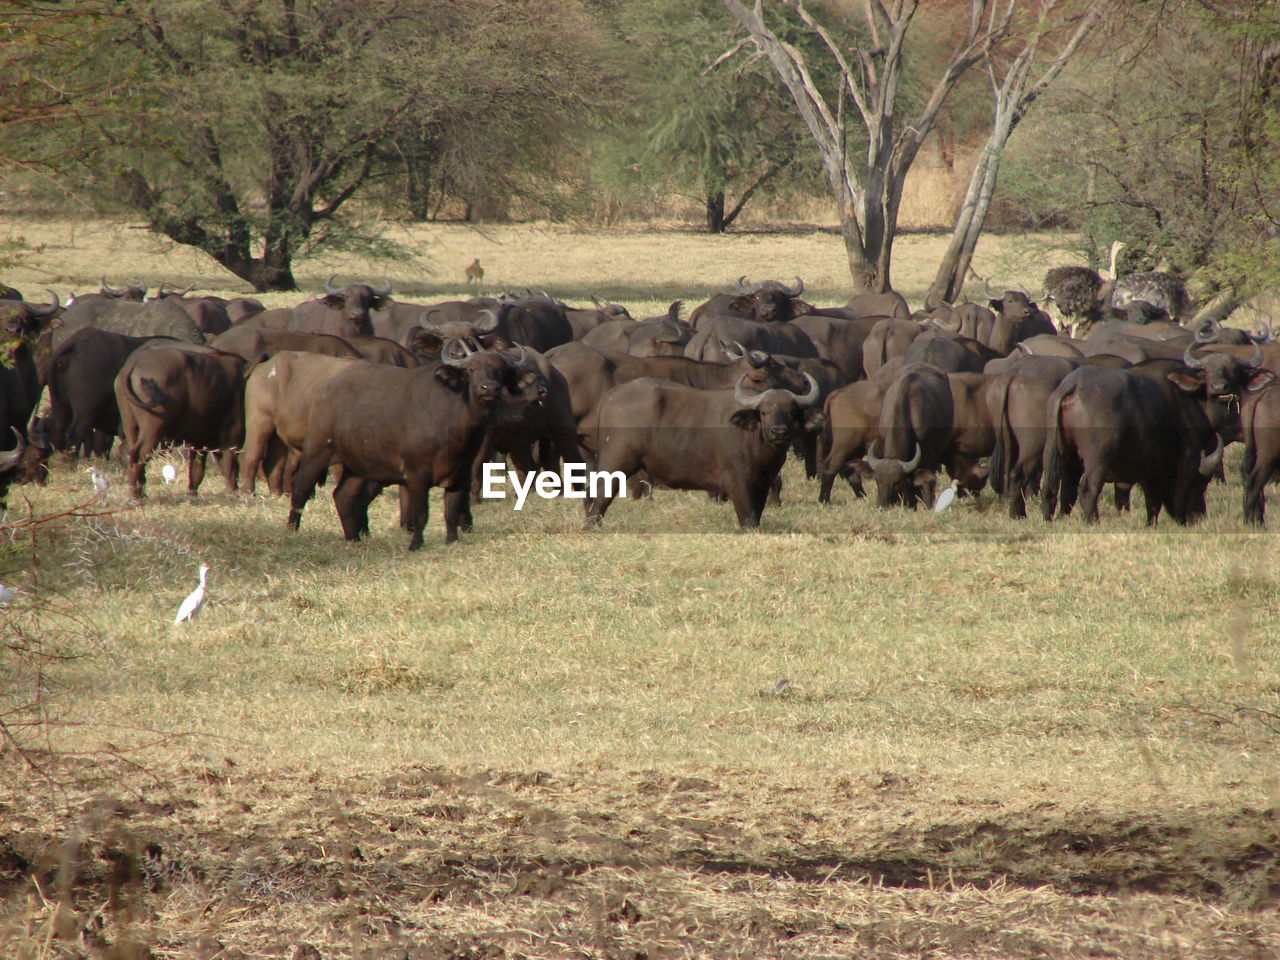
pixel 100 483
pixel 475 272
pixel 196 600
pixel 947 498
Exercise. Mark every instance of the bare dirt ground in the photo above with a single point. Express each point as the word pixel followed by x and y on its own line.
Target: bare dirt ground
pixel 216 861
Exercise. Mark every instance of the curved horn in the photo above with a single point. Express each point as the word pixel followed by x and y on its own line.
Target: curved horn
pixel 751 401
pixel 1209 331
pixel 9 459
pixel 328 285
pixel 448 353
pixel 1209 462
pixel 741 285
pixel 872 460
pixel 385 291
pixel 808 399
pixel 522 361
pixel 1189 359
pixel 107 288
pixel 1256 359
pixel 1020 345
pixel 41 313
pixel 599 305
pixel 491 323
pixel 673 311
pixel 914 462
pixel 796 290
pixel 728 352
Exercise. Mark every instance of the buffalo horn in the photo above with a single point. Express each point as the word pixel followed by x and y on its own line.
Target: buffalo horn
pixel 521 362
pixel 796 290
pixel 1209 462
pixel 448 353
pixel 9 459
pixel 107 288
pixel 489 324
pixel 741 285
pixel 748 400
pixel 599 305
pixel 41 312
pixel 728 351
pixel 1256 359
pixel 907 465
pixel 386 290
pixel 673 311
pixel 1188 358
pixel 328 285
pixel 1208 332
pixel 810 397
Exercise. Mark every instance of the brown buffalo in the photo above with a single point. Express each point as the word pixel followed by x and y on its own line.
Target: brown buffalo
pixel 186 394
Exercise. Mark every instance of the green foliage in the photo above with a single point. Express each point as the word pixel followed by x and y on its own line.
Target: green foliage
pixel 245 131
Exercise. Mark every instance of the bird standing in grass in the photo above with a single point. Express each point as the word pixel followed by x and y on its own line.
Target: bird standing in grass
pixel 947 497
pixel 169 472
pixel 100 483
pixel 196 600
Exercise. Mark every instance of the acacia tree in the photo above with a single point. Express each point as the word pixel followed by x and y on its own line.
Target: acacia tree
pixel 868 194
pixel 246 127
pixel 1019 71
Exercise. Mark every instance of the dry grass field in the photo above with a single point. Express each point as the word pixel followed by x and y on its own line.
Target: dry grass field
pixel 997 739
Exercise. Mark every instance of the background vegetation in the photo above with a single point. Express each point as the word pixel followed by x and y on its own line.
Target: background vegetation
pixel 263 131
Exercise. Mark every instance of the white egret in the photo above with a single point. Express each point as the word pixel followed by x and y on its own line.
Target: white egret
pixel 7 594
pixel 169 472
pixel 947 497
pixel 100 483
pixel 196 600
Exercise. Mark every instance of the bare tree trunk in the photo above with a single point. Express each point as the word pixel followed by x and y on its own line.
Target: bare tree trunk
pixel 867 198
pixel 1012 96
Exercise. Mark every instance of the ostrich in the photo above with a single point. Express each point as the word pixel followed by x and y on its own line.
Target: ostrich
pixel 1163 290
pixel 1081 293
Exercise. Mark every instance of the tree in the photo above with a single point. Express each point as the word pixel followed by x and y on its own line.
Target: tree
pixel 1018 78
pixel 246 127
pixel 1166 134
pixel 718 134
pixel 868 195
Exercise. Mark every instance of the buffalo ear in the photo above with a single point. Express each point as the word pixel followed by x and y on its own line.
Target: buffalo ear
pixel 1260 380
pixel 996 305
pixel 334 301
pixel 923 476
pixel 1190 382
pixel 745 419
pixel 455 378
pixel 814 421
pixel 864 469
pixel 377 302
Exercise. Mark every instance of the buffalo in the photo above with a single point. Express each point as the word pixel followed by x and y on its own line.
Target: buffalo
pixel 730 443
pixel 420 427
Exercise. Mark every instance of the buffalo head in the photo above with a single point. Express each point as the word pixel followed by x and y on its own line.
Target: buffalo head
pixel 777 414
pixel 493 378
pixel 137 292
pixel 899 480
pixel 356 301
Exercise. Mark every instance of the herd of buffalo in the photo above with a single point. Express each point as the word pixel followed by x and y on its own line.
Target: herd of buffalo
pixel 376 392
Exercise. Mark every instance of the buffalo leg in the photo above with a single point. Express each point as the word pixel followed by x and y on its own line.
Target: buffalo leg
pixel 1090 491
pixel 457 505
pixel 228 464
pixel 1122 493
pixel 418 505
pixel 1152 495
pixel 308 474
pixel 195 470
pixel 347 494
